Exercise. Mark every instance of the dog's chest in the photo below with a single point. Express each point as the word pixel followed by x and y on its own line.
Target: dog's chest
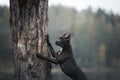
pixel 60 51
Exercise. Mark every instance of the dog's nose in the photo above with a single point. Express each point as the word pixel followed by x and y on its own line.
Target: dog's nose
pixel 56 42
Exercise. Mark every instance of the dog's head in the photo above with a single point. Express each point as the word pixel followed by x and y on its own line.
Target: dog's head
pixel 63 40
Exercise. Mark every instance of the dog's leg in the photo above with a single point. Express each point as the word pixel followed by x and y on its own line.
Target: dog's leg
pixel 51 48
pixel 47 58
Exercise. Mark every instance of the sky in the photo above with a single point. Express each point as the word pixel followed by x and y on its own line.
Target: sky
pixel 108 5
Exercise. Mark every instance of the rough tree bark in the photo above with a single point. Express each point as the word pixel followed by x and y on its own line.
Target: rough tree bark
pixel 28 21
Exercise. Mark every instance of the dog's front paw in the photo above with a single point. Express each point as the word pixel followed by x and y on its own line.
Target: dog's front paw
pixel 39 56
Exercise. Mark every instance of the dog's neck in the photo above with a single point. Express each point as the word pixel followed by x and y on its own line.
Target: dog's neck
pixel 67 49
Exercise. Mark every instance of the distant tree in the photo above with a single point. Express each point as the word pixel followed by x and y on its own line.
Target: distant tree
pixel 28 21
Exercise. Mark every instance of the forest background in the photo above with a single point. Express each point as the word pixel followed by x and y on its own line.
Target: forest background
pixel 95 41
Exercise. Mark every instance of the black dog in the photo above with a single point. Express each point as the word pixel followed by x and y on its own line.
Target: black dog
pixel 65 58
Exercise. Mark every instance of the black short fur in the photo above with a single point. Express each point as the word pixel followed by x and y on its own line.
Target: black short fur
pixel 65 59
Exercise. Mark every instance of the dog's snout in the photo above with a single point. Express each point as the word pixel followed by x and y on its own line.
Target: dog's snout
pixel 57 42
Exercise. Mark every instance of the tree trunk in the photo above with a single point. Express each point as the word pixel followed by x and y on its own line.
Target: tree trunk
pixel 28 21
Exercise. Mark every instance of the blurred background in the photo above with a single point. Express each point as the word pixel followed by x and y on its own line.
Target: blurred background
pixel 95 29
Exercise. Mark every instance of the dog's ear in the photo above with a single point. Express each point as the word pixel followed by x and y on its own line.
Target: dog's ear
pixel 69 37
pixel 64 35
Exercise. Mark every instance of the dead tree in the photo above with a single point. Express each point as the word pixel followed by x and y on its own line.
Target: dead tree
pixel 28 21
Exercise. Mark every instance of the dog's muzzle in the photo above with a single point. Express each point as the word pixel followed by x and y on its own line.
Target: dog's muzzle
pixel 57 43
